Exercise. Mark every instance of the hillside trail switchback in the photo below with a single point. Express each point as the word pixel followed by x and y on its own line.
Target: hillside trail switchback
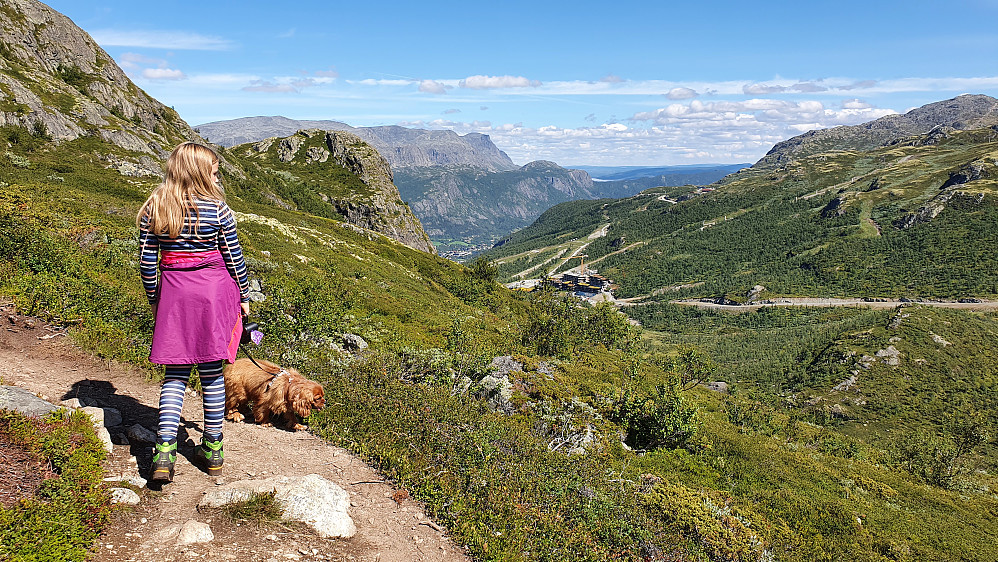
pixel 390 526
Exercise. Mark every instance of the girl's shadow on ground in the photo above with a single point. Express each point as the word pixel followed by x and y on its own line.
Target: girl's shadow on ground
pixel 103 394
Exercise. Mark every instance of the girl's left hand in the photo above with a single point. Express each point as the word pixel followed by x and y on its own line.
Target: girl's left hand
pixel 245 307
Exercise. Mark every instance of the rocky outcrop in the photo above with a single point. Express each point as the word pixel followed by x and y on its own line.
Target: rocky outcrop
pixel 379 207
pixel 56 80
pixel 926 212
pixel 972 171
pixel 401 146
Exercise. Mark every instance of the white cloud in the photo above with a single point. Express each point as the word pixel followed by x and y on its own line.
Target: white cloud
pixel 808 87
pixel 331 73
pixel 611 79
pixel 451 110
pixel 163 74
pixel 382 82
pixel 859 85
pixel 269 87
pixel 432 87
pixel 180 40
pixel 855 104
pixel 758 88
pixel 133 61
pixel 481 82
pixel 681 94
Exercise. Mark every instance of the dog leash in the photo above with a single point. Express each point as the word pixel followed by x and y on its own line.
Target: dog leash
pixel 246 351
pixel 273 376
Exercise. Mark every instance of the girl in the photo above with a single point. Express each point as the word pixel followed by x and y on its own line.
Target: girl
pixel 197 298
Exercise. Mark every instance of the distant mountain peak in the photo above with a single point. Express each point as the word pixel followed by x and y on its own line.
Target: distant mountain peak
pixel 968 111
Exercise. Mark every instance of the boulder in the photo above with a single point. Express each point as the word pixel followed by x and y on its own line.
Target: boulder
pixel 891 355
pixel 496 390
pixel 311 499
pixel 96 414
pixel 717 386
pixel 504 365
pixel 353 342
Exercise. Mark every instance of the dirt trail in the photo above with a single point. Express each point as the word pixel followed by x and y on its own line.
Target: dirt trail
pixel 980 305
pixel 388 531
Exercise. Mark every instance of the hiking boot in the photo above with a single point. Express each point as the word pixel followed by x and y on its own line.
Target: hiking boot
pixel 210 453
pixel 163 458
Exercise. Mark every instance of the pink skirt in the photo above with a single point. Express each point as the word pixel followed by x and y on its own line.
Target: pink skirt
pixel 198 317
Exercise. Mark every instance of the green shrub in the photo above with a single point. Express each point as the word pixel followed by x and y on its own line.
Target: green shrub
pixel 663 418
pixel 69 512
pixel 723 532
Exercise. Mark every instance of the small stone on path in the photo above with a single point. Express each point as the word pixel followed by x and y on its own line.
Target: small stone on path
pixel 125 496
pixel 195 532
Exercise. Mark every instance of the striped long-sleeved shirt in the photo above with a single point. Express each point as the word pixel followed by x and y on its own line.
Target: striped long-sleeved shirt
pixel 216 230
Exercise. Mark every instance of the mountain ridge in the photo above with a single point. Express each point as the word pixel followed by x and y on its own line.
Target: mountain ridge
pixel 401 146
pixel 968 111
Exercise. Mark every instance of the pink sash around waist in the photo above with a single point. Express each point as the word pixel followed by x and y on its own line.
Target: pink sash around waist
pixel 181 258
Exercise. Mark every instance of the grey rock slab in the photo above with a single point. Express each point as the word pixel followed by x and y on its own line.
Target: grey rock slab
pixel 133 480
pixel 20 400
pixel 354 342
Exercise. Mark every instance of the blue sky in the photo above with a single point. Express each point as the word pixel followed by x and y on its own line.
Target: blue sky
pixel 599 83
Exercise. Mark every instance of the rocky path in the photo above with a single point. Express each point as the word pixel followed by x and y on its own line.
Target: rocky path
pixel 390 526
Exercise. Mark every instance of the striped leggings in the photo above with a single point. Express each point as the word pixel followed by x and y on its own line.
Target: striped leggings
pixel 171 398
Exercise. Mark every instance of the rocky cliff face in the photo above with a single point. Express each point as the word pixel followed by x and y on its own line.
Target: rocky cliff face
pixel 960 113
pixel 307 162
pixel 56 80
pixel 402 147
pixel 474 206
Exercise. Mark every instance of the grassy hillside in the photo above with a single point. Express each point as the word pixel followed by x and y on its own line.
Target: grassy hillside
pixel 916 219
pixel 587 442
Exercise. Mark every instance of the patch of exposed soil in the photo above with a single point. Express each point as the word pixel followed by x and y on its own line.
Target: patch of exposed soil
pixel 391 527
pixel 20 472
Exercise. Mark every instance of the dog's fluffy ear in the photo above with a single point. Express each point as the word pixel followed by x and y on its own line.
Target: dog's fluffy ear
pixel 300 398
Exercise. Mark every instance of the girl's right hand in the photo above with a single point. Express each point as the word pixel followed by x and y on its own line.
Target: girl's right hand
pixel 245 308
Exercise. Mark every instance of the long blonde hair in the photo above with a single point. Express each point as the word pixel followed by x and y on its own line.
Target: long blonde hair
pixel 188 177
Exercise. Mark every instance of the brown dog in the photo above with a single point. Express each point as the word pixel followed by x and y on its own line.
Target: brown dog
pixel 273 392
